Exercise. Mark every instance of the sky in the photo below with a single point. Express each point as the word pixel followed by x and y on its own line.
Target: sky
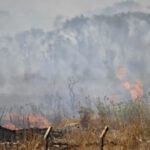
pixel 19 15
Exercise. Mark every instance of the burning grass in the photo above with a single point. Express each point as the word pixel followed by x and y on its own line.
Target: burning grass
pixel 129 124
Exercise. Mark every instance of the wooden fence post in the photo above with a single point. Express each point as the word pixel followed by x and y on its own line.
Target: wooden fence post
pixel 46 137
pixel 102 136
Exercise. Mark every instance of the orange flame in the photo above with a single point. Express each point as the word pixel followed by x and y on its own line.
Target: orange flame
pixel 33 120
pixel 39 121
pixel 122 72
pixel 126 85
pixel 135 89
pixel 10 126
pixel 134 94
pixel 139 89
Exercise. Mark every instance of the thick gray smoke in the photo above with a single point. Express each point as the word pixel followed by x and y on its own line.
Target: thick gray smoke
pixel 82 57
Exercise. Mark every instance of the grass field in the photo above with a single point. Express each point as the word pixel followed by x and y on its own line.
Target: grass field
pixel 128 122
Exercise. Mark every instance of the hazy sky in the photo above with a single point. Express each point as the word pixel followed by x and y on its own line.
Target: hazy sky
pixel 88 47
pixel 19 15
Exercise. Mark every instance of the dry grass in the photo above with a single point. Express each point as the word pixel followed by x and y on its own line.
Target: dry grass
pixel 129 125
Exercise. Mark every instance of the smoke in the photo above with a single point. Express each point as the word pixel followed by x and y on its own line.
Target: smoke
pixel 36 66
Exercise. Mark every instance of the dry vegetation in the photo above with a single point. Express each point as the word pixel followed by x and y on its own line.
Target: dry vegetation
pixel 129 129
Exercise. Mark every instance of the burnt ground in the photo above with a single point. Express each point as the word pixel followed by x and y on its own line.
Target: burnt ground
pixel 7 135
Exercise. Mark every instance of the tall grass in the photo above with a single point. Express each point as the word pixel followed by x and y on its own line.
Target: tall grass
pixel 129 124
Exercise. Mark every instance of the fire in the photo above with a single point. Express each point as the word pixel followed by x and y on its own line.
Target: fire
pixel 126 85
pixel 122 72
pixel 139 89
pixel 39 120
pixel 32 120
pixel 10 126
pixel 135 89
pixel 134 93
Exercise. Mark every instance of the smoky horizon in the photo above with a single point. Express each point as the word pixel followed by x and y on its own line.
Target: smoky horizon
pixel 57 57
